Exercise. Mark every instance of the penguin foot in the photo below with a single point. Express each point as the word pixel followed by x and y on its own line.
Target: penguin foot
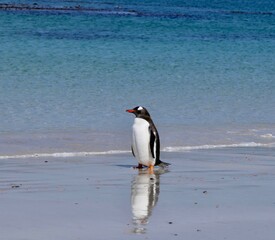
pixel 151 169
pixel 139 166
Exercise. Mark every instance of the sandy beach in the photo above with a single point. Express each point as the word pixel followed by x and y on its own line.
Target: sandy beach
pixel 206 194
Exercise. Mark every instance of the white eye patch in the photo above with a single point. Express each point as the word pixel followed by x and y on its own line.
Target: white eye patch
pixel 140 108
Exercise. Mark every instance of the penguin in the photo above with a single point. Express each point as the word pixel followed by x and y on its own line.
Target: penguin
pixel 145 139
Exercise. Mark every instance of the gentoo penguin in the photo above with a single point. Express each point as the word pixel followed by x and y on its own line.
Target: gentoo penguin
pixel 145 142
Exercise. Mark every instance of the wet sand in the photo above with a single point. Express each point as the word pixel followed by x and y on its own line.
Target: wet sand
pixel 206 194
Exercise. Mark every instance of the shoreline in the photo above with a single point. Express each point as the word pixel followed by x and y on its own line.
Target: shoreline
pixel 86 142
pixel 172 150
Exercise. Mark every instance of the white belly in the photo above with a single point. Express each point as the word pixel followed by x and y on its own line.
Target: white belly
pixel 141 142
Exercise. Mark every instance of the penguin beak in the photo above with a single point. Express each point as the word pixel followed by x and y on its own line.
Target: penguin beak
pixel 130 110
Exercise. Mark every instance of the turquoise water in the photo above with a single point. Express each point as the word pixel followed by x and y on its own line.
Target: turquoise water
pixel 204 69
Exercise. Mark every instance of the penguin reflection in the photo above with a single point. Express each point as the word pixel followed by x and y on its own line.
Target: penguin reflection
pixel 145 193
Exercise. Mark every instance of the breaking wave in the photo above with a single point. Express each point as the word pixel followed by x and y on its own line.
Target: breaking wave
pixel 202 147
pixel 113 152
pixel 63 154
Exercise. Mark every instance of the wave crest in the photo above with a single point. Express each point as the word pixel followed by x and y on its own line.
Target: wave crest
pixel 110 152
pixel 63 154
pixel 203 147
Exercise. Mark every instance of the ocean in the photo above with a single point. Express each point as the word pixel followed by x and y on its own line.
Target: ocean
pixel 205 70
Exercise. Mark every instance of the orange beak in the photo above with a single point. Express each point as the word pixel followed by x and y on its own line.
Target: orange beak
pixel 130 110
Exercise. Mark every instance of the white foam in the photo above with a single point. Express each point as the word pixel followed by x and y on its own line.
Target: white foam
pixel 110 152
pixel 202 147
pixel 268 135
pixel 63 154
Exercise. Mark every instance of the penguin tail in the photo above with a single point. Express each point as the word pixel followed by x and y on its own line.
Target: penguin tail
pixel 162 164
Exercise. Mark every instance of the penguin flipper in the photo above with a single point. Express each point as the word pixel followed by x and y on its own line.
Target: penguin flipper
pixel 152 143
pixel 132 151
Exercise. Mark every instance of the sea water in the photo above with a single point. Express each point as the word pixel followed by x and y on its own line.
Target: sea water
pixel 205 70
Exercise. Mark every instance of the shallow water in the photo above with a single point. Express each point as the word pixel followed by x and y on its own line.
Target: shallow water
pixel 205 70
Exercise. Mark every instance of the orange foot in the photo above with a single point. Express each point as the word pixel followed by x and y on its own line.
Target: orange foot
pixel 151 169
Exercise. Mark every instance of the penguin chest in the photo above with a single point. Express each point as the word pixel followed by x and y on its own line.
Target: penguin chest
pixel 141 142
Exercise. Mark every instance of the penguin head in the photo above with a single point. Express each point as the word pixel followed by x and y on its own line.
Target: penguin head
pixel 139 111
